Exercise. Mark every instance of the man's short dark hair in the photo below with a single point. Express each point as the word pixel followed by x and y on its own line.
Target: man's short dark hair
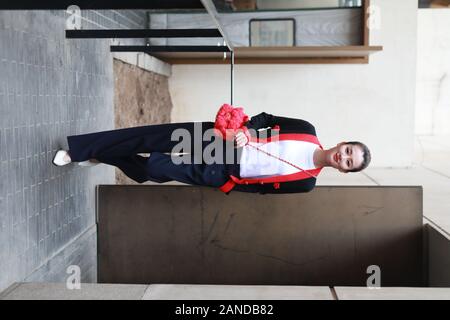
pixel 366 156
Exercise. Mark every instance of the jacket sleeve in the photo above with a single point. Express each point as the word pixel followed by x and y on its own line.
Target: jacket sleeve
pixel 261 120
pixel 264 120
pixel 298 186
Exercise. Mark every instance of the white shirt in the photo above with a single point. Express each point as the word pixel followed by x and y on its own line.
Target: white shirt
pixel 256 164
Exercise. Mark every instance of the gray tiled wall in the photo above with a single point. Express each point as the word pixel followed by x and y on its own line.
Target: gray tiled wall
pixel 50 87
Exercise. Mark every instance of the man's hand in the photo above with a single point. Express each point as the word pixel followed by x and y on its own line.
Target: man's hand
pixel 240 140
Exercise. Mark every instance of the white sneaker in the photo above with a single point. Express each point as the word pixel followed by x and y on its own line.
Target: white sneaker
pixel 88 163
pixel 61 158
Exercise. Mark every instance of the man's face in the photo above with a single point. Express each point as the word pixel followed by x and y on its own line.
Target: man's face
pixel 345 157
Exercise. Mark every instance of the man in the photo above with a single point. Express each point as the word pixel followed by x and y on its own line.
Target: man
pixel 275 155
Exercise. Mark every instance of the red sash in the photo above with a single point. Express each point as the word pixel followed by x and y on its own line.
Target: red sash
pixel 302 174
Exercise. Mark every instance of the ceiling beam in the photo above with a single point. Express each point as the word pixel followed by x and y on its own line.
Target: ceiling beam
pixel 169 49
pixel 100 4
pixel 142 33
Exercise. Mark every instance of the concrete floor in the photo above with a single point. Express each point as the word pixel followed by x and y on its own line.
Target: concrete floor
pixel 51 87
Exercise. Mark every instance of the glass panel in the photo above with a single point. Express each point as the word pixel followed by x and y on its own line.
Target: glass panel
pixel 272 32
pixel 440 4
pixel 263 5
pixel 341 26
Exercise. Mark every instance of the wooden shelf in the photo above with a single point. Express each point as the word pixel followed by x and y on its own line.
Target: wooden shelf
pixel 255 55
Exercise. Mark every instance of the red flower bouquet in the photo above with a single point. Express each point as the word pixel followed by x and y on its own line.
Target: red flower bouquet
pixel 229 121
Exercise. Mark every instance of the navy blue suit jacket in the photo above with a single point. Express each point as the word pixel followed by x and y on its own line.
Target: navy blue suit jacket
pixel 287 125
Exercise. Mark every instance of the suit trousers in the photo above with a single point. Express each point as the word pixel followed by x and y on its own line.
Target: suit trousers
pixel 122 148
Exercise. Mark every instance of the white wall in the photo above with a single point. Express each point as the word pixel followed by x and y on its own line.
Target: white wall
pixel 433 72
pixel 373 103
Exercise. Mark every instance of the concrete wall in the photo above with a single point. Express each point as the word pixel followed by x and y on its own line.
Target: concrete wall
pixel 52 291
pixel 438 256
pixel 318 239
pixel 433 72
pixel 373 103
